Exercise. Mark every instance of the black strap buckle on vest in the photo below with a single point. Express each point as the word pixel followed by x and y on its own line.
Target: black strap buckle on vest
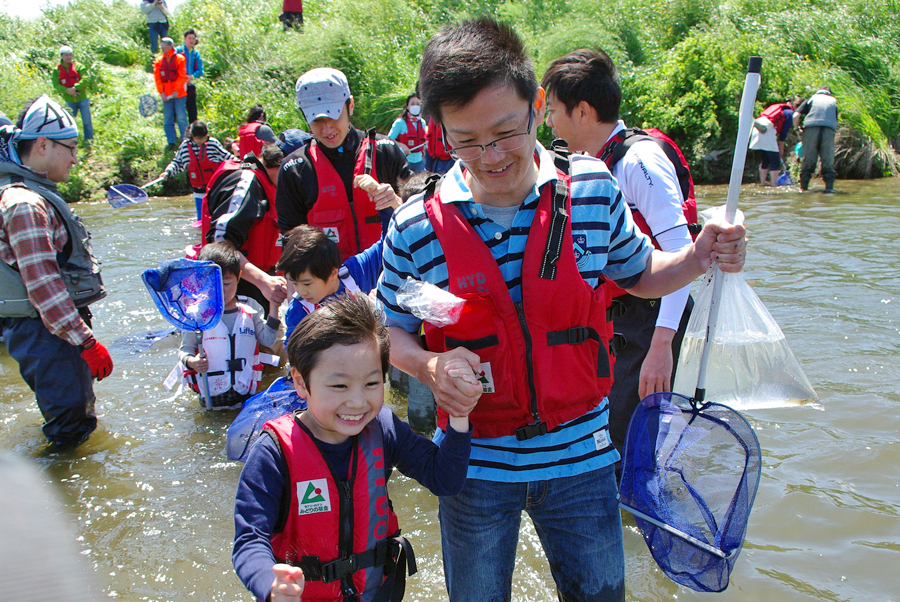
pixel 235 365
pixel 559 218
pixel 529 431
pixel 381 555
pixel 373 219
pixel 617 343
pixel 431 184
pixel 616 309
pixel 370 151
pixel 578 335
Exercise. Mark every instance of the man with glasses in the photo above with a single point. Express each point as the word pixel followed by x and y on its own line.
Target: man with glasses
pixel 528 247
pixel 48 276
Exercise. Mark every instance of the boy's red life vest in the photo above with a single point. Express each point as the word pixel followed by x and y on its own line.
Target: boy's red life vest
pixel 775 114
pixel 615 150
pixel 200 168
pixel 68 76
pixel 435 144
pixel 247 140
pixel 261 247
pixel 414 134
pixel 545 361
pixel 323 517
pixel 168 68
pixel 354 225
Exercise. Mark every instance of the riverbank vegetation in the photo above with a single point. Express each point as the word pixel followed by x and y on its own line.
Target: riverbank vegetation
pixel 682 64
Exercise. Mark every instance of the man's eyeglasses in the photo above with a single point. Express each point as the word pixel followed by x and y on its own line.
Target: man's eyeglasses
pixel 72 149
pixel 506 144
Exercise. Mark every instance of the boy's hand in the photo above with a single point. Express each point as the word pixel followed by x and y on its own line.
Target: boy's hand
pixel 456 395
pixel 460 369
pixel 288 583
pixel 197 363
pixel 381 194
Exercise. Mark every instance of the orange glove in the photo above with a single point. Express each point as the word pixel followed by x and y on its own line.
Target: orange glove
pixel 97 358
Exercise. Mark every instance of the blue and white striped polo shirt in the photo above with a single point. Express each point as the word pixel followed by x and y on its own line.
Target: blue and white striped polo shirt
pixel 606 242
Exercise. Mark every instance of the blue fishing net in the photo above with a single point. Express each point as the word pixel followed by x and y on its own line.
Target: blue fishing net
pixel 125 194
pixel 276 401
pixel 188 293
pixel 689 477
pixel 148 105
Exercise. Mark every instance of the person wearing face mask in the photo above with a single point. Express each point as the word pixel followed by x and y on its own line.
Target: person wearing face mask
pixel 409 132
pixel 318 183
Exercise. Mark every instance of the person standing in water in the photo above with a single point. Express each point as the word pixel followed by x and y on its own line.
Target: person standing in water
pixel 48 274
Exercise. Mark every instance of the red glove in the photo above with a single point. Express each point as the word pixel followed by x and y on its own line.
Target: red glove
pixel 97 358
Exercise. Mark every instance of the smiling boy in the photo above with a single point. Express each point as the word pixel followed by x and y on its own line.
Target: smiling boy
pixel 312 514
pixel 311 263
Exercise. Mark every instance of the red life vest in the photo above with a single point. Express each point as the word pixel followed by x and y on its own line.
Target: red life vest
pixel 321 520
pixel 68 77
pixel 262 244
pixel 354 225
pixel 435 143
pixel 414 134
pixel 548 357
pixel 616 148
pixel 775 114
pixel 247 140
pixel 168 68
pixel 200 168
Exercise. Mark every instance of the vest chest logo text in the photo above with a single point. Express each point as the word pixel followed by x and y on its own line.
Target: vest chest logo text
pixel 312 497
pixel 330 190
pixel 470 280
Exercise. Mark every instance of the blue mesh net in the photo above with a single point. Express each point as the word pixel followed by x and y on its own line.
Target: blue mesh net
pixel 689 477
pixel 188 293
pixel 125 194
pixel 276 401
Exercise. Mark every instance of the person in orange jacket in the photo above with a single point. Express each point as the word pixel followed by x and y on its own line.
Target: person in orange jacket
pixel 170 73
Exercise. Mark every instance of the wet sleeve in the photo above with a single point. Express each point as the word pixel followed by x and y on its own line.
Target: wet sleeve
pixel 442 470
pixel 257 505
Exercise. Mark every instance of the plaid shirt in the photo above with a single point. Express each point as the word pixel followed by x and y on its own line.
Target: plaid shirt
pixel 31 235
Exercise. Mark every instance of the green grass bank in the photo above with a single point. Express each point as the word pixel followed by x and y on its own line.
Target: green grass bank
pixel 681 61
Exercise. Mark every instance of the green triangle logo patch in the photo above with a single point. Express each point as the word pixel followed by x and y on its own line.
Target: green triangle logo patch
pixel 313 494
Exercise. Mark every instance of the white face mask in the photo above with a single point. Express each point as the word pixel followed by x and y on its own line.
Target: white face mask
pixel 415 110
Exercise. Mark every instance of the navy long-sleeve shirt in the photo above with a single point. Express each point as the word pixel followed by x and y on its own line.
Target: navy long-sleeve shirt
pixel 257 504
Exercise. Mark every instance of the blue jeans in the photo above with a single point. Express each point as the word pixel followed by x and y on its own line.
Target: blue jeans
pixel 59 377
pixel 175 110
pixel 577 519
pixel 157 31
pixel 86 124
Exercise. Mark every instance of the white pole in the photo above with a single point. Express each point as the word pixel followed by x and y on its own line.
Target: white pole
pixel 745 122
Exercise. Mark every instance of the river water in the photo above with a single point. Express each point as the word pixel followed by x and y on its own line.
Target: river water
pixel 150 495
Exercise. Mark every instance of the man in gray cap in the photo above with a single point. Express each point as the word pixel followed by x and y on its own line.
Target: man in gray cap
pixel 818 130
pixel 316 184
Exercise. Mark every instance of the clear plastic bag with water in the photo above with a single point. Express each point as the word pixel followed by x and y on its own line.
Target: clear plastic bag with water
pixel 750 364
pixel 429 303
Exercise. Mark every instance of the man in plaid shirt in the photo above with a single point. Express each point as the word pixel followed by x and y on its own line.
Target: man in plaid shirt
pixel 48 276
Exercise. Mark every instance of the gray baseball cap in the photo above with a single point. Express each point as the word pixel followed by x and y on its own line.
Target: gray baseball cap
pixel 322 92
